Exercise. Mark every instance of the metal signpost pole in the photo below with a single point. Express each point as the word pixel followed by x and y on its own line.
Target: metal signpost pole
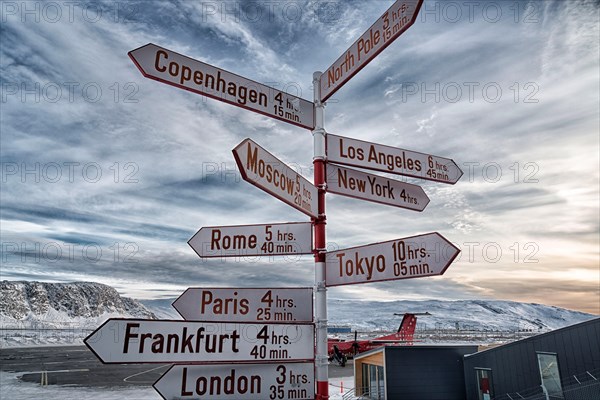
pixel 320 245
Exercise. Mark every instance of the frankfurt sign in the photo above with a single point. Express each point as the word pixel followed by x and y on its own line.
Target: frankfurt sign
pixel 127 341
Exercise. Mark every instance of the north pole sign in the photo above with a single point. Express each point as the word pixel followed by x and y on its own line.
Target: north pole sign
pixel 379 157
pixel 360 185
pixel 186 73
pixel 246 304
pixel 253 240
pixel 123 341
pixel 394 22
pixel 412 257
pixel 238 382
pixel 265 171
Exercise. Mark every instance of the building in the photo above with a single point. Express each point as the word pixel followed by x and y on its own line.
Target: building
pixel 412 372
pixel 562 364
pixel 565 361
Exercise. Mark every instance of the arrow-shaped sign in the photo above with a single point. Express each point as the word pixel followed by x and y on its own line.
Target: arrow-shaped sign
pixel 246 304
pixel 127 341
pixel 253 240
pixel 411 257
pixel 397 19
pixel 360 185
pixel 265 171
pixel 238 382
pixel 379 157
pixel 186 73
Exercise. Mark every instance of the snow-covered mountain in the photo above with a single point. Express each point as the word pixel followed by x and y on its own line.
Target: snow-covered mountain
pixel 478 315
pixel 40 305
pixel 33 313
pixel 162 308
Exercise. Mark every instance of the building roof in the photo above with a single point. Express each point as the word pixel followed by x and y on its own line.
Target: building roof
pixel 414 347
pixel 579 325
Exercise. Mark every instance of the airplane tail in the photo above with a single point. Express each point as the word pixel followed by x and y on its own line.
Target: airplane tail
pixel 406 330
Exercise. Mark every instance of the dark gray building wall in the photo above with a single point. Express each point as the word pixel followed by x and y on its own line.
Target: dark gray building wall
pixel 515 367
pixel 426 372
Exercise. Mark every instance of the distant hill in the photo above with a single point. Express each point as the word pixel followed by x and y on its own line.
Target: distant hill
pixel 491 315
pixel 34 313
pixel 481 315
pixel 40 305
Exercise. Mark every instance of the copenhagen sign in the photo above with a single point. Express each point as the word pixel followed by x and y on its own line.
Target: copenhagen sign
pixel 122 341
pixel 397 19
pixel 238 382
pixel 379 157
pixel 246 304
pixel 360 185
pixel 186 73
pixel 265 171
pixel 253 240
pixel 412 257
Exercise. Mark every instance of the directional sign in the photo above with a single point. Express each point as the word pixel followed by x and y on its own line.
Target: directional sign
pixel 253 240
pixel 379 157
pixel 360 185
pixel 125 341
pixel 174 69
pixel 238 382
pixel 411 257
pixel 265 171
pixel 397 19
pixel 246 304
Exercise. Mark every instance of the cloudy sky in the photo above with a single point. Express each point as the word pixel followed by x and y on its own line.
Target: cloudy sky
pixel 107 174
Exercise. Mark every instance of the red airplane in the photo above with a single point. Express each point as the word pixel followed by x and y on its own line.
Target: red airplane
pixel 405 335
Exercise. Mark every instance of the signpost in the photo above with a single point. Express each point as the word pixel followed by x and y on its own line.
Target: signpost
pixel 126 341
pixel 360 185
pixel 174 69
pixel 379 157
pixel 265 171
pixel 397 19
pixel 411 257
pixel 264 333
pixel 246 304
pixel 253 240
pixel 238 382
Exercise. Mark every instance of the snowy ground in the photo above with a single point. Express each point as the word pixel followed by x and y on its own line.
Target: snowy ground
pixel 49 337
pixel 339 386
pixel 14 389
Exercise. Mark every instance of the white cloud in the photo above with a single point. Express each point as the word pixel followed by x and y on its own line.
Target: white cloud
pixel 175 146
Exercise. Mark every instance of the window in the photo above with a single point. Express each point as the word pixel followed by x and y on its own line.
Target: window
pixel 484 383
pixel 373 381
pixel 381 386
pixel 550 375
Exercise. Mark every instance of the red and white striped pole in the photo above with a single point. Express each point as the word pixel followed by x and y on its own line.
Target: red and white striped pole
pixel 320 245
